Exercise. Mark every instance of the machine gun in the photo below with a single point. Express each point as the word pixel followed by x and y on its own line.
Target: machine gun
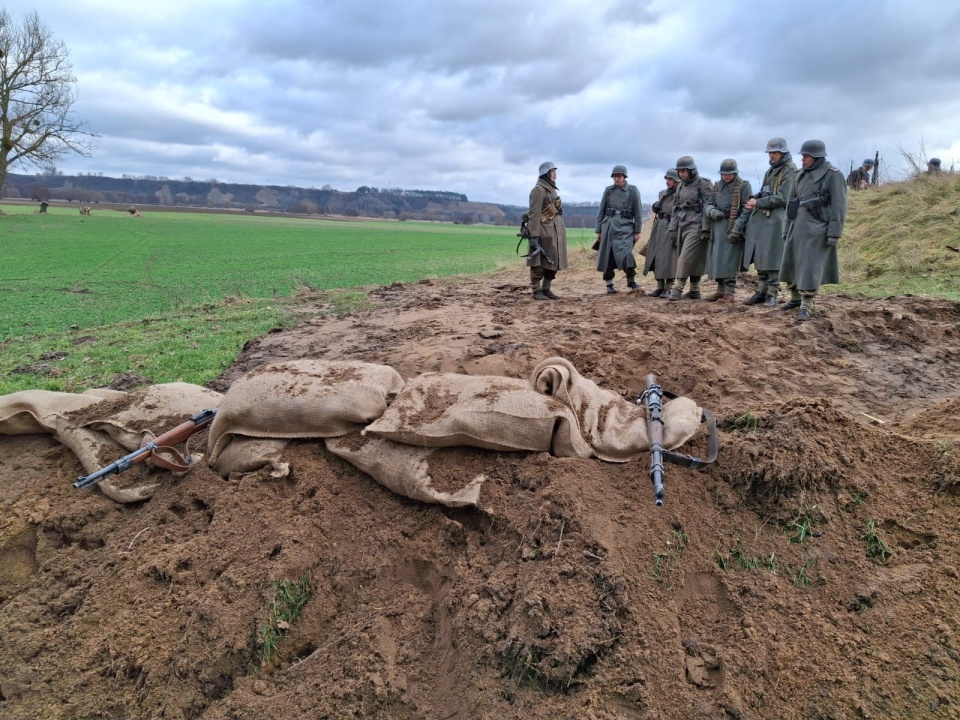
pixel 165 443
pixel 652 397
pixel 533 244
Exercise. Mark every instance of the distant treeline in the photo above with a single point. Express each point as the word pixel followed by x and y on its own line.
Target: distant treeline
pixel 387 203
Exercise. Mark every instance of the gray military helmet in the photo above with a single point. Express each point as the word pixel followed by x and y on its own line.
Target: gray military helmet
pixel 934 161
pixel 672 174
pixel 686 163
pixel 728 167
pixel 814 148
pixel 777 144
pixel 868 163
pixel 546 167
pixel 619 170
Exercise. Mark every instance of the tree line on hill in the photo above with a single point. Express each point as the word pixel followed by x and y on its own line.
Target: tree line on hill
pixel 386 203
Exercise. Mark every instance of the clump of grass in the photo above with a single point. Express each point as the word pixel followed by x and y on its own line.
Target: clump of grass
pixel 803 524
pixel 289 597
pixel 876 547
pixel 745 421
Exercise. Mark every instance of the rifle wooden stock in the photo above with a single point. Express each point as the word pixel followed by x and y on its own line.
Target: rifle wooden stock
pixel 165 442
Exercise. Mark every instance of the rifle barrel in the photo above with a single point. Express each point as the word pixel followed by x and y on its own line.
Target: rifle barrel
pixel 654 401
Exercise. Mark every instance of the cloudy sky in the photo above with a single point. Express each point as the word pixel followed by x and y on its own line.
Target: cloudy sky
pixel 472 95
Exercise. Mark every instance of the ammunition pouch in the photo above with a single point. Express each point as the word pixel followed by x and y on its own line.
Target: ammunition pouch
pixel 665 216
pixel 792 208
pixel 814 207
pixel 626 215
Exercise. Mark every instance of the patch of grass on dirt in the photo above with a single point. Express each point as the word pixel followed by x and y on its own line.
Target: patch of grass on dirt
pixel 745 421
pixel 801 526
pixel 896 237
pixel 876 547
pixel 289 597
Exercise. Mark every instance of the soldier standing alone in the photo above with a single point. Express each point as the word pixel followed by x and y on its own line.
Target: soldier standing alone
pixel 618 229
pixel 727 202
pixel 661 252
pixel 763 226
pixel 815 216
pixel 545 223
pixel 690 228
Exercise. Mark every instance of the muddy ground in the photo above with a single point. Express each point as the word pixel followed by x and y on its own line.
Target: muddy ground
pixel 811 573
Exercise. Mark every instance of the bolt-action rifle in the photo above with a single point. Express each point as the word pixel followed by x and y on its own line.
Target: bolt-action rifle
pixel 164 443
pixel 652 397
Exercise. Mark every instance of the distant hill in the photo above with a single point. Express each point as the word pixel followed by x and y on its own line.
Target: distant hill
pixel 387 203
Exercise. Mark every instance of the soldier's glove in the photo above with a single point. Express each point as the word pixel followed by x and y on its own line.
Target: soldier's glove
pixel 832 241
pixel 596 245
pixel 735 237
pixel 704 234
pixel 716 214
pixel 656 206
pixel 532 243
pixel 672 237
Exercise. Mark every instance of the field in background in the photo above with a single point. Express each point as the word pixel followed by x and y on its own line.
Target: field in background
pixel 175 295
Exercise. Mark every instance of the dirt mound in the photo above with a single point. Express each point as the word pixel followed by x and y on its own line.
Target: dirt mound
pixel 811 573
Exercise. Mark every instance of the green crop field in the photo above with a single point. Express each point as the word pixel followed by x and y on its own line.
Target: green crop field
pixel 174 295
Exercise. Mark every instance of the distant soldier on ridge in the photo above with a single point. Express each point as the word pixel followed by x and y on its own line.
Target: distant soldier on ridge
pixel 763 226
pixel 859 179
pixel 933 166
pixel 545 223
pixel 815 216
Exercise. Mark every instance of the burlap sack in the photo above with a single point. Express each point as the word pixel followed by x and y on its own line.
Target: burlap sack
pixel 404 469
pixel 24 412
pixel 496 413
pixel 246 454
pixel 615 428
pixel 301 399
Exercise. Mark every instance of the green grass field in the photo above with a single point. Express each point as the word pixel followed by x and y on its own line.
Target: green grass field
pixel 175 295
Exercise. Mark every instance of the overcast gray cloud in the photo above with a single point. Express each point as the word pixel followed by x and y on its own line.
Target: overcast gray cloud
pixel 472 95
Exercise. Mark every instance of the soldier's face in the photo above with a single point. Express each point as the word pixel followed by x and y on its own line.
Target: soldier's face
pixel 671 183
pixel 727 177
pixel 553 175
pixel 775 157
pixel 684 174
pixel 618 180
pixel 807 161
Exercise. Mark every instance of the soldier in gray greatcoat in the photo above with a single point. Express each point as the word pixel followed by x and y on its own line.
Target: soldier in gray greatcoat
pixel 618 229
pixel 690 228
pixel 815 216
pixel 859 179
pixel 545 224
pixel 661 252
pixel 727 202
pixel 763 226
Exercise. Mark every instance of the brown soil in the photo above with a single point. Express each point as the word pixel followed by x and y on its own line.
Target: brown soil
pixel 568 594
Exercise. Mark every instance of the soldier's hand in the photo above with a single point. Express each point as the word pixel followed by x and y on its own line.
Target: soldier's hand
pixel 751 204
pixel 735 238
pixel 832 241
pixel 704 234
pixel 672 237
pixel 716 214
pixel 636 237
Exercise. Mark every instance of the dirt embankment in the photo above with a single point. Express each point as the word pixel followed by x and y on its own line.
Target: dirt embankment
pixel 812 573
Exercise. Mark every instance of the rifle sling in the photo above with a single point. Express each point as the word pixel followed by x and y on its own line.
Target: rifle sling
pixel 713 448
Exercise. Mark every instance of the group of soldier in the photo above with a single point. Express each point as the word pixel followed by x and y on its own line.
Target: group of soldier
pixel 788 231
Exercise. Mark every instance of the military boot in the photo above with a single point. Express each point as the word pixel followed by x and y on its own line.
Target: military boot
pixel 656 292
pixel 632 284
pixel 758 297
pixel 771 299
pixel 675 294
pixel 610 289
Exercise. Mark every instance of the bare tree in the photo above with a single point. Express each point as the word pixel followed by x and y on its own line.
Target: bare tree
pixel 37 125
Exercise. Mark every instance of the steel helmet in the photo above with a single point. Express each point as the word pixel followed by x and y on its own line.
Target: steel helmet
pixel 868 163
pixel 777 144
pixel 686 163
pixel 547 167
pixel 619 170
pixel 814 148
pixel 934 161
pixel 728 167
pixel 672 174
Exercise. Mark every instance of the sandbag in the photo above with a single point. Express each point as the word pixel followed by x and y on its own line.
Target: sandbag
pixel 302 399
pixel 496 413
pixel 404 469
pixel 25 412
pixel 615 428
